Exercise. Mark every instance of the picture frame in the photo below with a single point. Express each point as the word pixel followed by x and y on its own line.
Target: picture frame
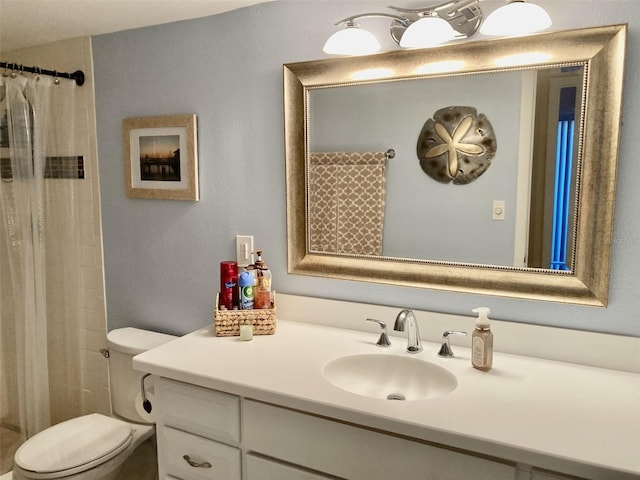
pixel 161 160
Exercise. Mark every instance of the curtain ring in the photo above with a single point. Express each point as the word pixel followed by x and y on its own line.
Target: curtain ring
pixel 13 70
pixel 57 80
pixel 37 72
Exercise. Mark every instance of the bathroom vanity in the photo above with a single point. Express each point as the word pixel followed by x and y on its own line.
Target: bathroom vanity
pixel 266 409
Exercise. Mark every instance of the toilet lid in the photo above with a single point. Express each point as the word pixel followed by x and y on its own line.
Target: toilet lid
pixel 85 440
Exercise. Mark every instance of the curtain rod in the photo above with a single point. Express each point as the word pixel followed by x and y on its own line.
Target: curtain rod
pixel 77 76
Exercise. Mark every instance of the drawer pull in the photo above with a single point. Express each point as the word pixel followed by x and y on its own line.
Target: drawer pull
pixel 196 464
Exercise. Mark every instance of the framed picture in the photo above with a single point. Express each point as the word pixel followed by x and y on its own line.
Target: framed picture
pixel 161 161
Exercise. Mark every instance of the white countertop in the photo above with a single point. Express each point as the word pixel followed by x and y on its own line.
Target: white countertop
pixel 559 416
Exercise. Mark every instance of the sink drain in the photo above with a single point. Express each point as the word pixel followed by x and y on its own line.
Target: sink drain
pixel 396 396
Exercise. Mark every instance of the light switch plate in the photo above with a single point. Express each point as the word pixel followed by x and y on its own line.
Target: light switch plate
pixel 244 249
pixel 498 210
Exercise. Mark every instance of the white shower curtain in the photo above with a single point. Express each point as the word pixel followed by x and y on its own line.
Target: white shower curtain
pixel 39 250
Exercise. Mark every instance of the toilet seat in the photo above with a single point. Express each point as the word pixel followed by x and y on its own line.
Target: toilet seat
pixel 73 446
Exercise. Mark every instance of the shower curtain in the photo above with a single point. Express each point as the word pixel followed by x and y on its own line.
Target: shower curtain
pixel 39 254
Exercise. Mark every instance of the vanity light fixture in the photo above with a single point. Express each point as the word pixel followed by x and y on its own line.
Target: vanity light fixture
pixel 352 41
pixel 413 27
pixel 516 18
pixel 434 25
pixel 428 31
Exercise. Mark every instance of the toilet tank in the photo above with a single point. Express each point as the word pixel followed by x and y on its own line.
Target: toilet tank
pixel 124 344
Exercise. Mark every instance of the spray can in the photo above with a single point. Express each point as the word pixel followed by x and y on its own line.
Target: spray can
pixel 245 284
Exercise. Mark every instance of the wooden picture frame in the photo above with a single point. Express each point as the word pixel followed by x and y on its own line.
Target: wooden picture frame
pixel 161 160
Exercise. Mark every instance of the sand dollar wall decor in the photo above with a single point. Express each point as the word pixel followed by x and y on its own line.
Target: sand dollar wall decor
pixel 456 145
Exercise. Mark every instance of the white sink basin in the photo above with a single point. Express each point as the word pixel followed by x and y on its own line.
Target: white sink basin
pixel 389 377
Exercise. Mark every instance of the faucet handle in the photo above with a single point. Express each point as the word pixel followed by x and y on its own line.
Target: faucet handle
pixel 383 341
pixel 445 349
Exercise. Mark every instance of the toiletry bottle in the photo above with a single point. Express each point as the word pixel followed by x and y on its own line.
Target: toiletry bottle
pixel 262 292
pixel 228 284
pixel 482 341
pixel 245 285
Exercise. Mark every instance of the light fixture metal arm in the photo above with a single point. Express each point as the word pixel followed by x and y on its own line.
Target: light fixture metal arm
pixel 464 16
pixel 352 18
pixel 450 6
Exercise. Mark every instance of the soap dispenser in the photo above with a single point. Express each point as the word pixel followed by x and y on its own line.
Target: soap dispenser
pixel 263 285
pixel 482 341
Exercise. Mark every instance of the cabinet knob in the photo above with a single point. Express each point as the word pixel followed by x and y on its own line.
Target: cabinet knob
pixel 196 464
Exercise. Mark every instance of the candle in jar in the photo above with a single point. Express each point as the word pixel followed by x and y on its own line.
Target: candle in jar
pixel 246 332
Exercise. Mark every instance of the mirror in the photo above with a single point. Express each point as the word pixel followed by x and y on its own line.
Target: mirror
pixel 431 234
pixel 379 116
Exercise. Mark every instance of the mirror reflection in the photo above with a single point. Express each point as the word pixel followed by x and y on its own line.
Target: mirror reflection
pixel 443 235
pixel 520 212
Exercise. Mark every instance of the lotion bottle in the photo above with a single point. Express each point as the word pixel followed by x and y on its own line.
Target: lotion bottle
pixel 482 341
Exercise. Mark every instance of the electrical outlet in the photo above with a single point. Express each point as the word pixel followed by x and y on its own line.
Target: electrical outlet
pixel 244 250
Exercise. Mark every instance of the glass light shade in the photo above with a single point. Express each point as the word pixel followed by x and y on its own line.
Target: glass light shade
pixel 516 18
pixel 427 32
pixel 351 41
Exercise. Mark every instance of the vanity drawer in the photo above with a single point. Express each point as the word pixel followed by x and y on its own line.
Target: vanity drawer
pixel 356 453
pixel 190 457
pixel 208 413
pixel 258 468
pixel 537 474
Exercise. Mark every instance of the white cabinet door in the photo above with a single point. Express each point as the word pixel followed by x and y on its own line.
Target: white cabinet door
pixel 258 468
pixel 347 451
pixel 208 413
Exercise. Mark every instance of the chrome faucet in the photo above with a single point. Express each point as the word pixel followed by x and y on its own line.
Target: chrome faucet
pixel 413 334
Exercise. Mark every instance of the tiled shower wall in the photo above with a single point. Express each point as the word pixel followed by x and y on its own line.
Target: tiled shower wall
pixel 92 392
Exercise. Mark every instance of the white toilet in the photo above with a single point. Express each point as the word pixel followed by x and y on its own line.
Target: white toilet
pixel 96 446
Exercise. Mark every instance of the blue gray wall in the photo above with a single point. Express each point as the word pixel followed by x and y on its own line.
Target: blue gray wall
pixel 162 257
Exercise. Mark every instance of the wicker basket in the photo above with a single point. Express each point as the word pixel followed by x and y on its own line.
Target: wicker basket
pixel 226 323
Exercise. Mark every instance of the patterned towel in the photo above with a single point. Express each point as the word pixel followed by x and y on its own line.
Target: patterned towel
pixel 346 202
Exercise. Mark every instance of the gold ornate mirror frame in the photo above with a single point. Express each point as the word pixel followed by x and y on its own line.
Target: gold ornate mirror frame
pixel 601 50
